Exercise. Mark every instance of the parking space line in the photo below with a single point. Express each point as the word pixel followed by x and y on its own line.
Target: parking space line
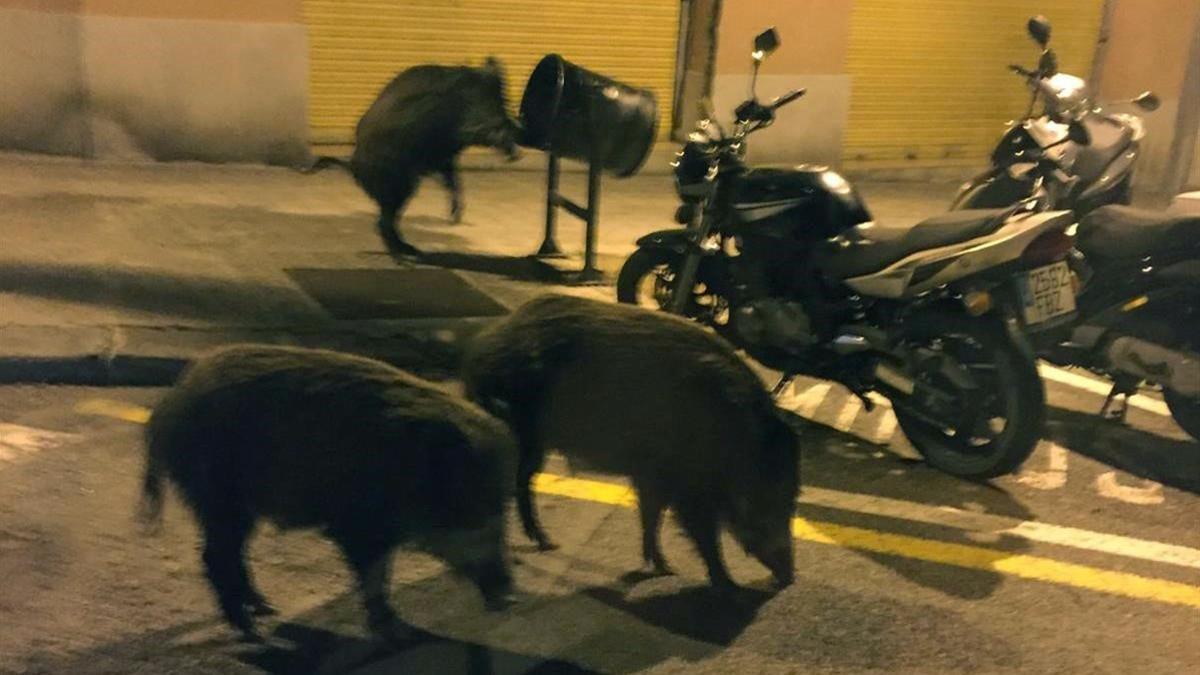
pixel 1019 565
pixel 1070 379
pixel 115 409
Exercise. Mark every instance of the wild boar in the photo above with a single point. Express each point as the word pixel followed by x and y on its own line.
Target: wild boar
pixel 657 398
pixel 417 126
pixel 368 453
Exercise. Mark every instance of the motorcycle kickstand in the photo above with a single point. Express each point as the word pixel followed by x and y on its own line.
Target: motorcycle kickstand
pixel 780 386
pixel 1112 412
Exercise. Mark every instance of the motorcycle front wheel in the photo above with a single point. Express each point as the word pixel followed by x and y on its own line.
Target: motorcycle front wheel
pixel 999 425
pixel 648 277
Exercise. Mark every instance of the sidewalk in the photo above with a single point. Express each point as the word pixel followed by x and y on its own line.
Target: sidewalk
pixel 118 274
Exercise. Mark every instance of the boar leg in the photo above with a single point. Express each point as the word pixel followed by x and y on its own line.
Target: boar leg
pixel 698 516
pixel 650 507
pixel 371 561
pixel 225 564
pixel 530 463
pixel 390 209
pixel 450 180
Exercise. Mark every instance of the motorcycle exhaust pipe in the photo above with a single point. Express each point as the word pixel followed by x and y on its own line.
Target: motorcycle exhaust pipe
pixel 1173 369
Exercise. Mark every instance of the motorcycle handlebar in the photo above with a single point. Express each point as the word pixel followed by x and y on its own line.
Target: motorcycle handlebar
pixel 787 98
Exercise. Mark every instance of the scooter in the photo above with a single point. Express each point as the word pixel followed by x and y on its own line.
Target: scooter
pixel 1097 165
pixel 1139 307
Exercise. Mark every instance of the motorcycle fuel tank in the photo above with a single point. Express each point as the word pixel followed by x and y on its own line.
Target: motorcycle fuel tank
pixel 804 202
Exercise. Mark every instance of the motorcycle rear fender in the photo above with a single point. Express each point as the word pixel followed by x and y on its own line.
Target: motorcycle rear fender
pixel 673 240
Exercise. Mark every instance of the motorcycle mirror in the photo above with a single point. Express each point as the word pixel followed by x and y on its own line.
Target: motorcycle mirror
pixel 1078 134
pixel 1147 101
pixel 765 43
pixel 1039 30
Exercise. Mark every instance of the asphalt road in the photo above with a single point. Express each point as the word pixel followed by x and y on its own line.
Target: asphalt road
pixel 1088 561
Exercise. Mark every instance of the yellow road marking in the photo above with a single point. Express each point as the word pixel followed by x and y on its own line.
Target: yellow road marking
pixel 115 409
pixel 960 555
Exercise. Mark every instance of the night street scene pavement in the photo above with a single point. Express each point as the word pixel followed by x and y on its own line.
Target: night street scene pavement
pixel 341 373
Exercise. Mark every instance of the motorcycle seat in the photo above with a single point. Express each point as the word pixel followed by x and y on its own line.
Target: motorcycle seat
pixel 1121 232
pixel 1109 139
pixel 874 247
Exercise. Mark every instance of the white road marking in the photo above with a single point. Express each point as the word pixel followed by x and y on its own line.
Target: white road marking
pixel 1053 478
pixel 807 403
pixel 19 441
pixel 849 412
pixel 1149 494
pixel 1070 379
pixel 1046 533
pixel 886 429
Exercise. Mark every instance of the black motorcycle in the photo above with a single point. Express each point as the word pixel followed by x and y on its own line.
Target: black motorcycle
pixel 1139 308
pixel 1073 155
pixel 788 265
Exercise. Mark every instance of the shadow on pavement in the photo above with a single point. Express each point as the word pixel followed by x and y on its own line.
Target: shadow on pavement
pixel 315 650
pixel 523 268
pixel 1170 462
pixel 699 613
pixel 838 461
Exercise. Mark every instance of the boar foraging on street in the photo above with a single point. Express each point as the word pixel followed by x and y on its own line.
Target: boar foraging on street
pixel 657 398
pixel 417 126
pixel 368 453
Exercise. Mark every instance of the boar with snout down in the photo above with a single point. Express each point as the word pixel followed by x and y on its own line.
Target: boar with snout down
pixel 417 126
pixel 625 390
pixel 306 438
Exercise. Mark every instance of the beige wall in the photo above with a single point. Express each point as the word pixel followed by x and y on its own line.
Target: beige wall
pixel 214 80
pixel 1149 46
pixel 812 54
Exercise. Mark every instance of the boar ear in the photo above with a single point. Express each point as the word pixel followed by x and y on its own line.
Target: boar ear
pixel 493 64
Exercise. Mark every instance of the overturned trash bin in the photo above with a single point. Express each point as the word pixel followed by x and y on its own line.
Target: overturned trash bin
pixel 571 112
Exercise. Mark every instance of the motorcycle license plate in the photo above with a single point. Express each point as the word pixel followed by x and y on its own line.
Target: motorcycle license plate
pixel 1046 293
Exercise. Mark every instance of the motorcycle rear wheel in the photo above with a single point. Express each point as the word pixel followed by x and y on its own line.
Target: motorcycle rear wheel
pixel 1016 395
pixel 1186 411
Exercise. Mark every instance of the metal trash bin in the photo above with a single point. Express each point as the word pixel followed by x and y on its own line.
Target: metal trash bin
pixel 573 112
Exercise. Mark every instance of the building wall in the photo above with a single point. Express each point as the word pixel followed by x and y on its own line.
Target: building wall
pixel 1149 46
pixel 812 54
pixel 214 80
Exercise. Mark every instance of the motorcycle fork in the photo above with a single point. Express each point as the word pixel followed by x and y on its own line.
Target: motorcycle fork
pixel 685 281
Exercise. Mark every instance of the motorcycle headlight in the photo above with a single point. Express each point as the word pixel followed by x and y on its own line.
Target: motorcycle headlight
pixel 692 171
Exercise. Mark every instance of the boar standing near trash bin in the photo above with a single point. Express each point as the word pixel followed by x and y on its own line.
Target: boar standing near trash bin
pixel 417 126
pixel 370 454
pixel 625 390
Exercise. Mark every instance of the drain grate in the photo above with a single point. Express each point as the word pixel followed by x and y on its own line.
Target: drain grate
pixel 422 293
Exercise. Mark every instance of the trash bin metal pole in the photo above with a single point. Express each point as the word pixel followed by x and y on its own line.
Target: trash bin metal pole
pixel 590 272
pixel 550 247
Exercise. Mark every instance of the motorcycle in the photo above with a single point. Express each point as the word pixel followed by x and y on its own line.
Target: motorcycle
pixel 788 265
pixel 1138 307
pixel 1095 165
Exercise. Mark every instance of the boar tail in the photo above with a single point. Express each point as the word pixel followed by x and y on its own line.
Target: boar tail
pixel 324 162
pixel 151 505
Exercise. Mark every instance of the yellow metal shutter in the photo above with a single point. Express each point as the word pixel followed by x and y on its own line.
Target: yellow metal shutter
pixel 356 46
pixel 929 78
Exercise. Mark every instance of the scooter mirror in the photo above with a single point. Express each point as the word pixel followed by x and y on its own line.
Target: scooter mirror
pixel 1078 134
pixel 1039 30
pixel 765 43
pixel 1147 101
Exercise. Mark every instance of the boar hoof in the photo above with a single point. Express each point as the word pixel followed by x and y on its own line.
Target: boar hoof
pixel 250 636
pixel 545 545
pixel 260 607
